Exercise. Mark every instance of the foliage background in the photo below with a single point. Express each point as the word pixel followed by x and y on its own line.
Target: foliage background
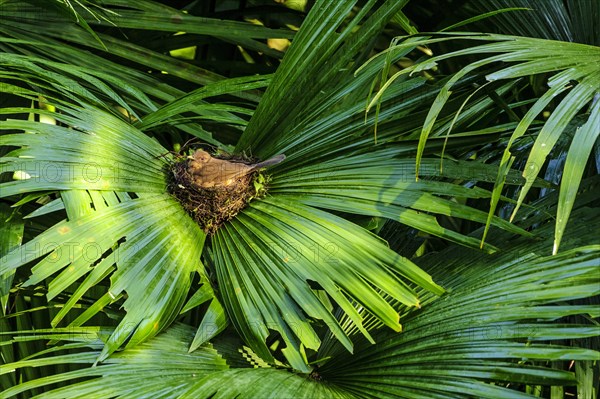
pixel 352 278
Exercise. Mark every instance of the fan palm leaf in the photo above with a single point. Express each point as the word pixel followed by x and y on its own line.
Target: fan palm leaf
pixel 118 174
pixel 161 251
pixel 574 76
pixel 493 331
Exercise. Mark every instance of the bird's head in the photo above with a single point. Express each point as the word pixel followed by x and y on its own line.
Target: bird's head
pixel 200 156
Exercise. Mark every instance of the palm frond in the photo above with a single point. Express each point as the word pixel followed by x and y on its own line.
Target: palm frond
pixel 272 251
pixel 506 316
pixel 322 55
pixel 299 274
pixel 569 20
pixel 376 184
pixel 162 245
pixel 505 322
pixel 11 236
pixel 574 71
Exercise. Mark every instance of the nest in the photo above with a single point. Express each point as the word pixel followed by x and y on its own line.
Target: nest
pixel 211 207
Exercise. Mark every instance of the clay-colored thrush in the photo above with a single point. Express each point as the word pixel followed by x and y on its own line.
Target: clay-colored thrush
pixel 209 172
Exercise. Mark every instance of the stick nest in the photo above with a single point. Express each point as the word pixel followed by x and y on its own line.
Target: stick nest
pixel 211 207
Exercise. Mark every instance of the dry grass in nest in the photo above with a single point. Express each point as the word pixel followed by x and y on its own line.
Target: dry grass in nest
pixel 211 207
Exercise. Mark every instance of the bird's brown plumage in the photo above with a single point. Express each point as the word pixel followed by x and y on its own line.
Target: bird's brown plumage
pixel 209 172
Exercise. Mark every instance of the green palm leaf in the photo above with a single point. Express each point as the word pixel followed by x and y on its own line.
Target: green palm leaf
pixel 11 236
pixel 574 71
pixel 107 158
pixel 497 324
pixel 320 57
pixel 294 268
pixel 59 158
pixel 123 152
pixel 376 184
pixel 495 330
pixel 344 259
pixel 162 246
pixel 569 20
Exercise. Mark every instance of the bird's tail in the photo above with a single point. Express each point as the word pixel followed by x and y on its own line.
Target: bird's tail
pixel 269 162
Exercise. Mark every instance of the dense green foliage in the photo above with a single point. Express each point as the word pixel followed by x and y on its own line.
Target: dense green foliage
pixel 432 232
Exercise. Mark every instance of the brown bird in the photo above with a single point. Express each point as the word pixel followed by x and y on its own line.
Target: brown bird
pixel 209 172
